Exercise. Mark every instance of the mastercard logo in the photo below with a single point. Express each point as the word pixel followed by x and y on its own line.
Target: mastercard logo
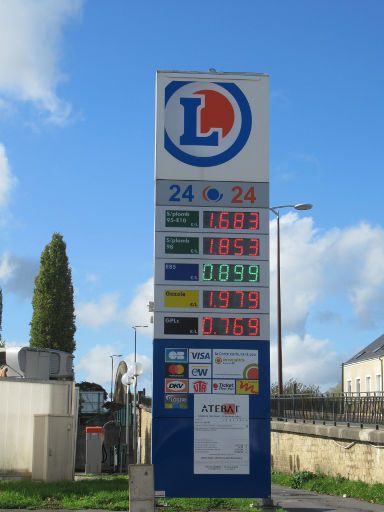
pixel 176 369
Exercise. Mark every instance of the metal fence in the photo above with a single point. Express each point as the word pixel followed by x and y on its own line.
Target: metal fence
pixel 356 408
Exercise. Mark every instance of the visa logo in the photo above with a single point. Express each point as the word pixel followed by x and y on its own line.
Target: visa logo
pixel 200 355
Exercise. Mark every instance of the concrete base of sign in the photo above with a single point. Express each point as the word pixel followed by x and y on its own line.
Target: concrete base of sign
pixel 141 488
pixel 268 505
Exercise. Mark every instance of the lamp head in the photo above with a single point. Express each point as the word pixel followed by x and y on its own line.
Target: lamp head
pixel 303 206
pixel 126 379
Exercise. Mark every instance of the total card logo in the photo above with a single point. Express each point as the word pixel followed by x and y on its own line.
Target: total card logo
pixel 200 356
pixel 200 370
pixel 199 386
pixel 176 386
pixel 205 123
pixel 225 387
pixel 176 355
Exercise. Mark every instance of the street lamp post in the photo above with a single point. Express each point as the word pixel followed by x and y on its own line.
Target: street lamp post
pixel 276 211
pixel 137 370
pixel 112 356
pixel 127 380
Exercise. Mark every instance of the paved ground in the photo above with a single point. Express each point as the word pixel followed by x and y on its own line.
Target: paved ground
pixel 297 500
pixel 294 500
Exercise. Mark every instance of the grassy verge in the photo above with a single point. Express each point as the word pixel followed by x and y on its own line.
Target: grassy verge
pixel 107 492
pixel 110 493
pixel 336 486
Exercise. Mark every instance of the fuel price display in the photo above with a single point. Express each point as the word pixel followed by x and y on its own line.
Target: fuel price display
pixel 230 326
pixel 231 220
pixel 231 299
pixel 230 272
pixel 223 246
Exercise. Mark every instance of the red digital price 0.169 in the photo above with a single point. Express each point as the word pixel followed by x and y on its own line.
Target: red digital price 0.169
pixel 231 299
pixel 231 326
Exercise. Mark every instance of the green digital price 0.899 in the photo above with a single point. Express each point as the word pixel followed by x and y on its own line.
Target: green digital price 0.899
pixel 231 272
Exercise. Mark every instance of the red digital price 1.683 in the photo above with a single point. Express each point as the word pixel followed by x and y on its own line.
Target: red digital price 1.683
pixel 231 220
pixel 230 326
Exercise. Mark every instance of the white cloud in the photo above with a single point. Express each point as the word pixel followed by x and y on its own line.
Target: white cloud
pixel 137 312
pixel 31 32
pixel 107 310
pixel 346 263
pixel 7 180
pixel 91 278
pixel 18 274
pixel 307 360
pixel 96 366
pixel 97 314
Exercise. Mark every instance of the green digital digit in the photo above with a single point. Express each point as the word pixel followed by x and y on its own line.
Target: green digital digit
pixel 207 271
pixel 223 272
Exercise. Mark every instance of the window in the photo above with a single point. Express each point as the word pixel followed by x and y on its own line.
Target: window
pixel 349 386
pixel 368 384
pixel 357 385
pixel 378 382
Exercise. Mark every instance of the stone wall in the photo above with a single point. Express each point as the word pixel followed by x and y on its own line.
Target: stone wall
pixel 352 452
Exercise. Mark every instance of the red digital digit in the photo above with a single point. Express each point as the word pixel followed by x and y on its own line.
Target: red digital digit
pixel 254 247
pixel 238 220
pixel 211 299
pixel 224 297
pixel 211 246
pixel 237 198
pixel 212 220
pixel 241 293
pixel 254 326
pixel 207 325
pixel 224 246
pixel 238 328
pixel 250 195
pixel 253 300
pixel 223 220
pixel 253 220
pixel 239 246
pixel 226 320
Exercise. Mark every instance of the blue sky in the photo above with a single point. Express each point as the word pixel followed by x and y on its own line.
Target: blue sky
pixel 77 100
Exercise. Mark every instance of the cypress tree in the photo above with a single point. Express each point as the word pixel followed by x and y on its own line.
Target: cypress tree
pixel 53 318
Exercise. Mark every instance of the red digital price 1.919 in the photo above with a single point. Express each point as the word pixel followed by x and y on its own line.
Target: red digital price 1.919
pixel 231 220
pixel 231 326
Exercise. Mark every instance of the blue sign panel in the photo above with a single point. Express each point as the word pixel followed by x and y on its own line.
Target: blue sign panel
pixel 181 272
pixel 211 418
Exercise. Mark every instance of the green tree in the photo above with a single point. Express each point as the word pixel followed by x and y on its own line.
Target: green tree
pixel 53 318
pixel 294 387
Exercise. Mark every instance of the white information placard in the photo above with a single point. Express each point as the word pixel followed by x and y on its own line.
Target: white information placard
pixel 221 435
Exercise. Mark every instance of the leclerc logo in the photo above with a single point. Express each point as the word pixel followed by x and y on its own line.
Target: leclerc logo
pixel 206 123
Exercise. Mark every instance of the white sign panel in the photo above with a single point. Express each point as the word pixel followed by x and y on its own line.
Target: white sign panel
pixel 221 435
pixel 212 126
pixel 235 364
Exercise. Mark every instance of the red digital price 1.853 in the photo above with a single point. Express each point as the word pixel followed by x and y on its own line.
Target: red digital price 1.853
pixel 231 326
pixel 231 220
pixel 231 246
pixel 231 299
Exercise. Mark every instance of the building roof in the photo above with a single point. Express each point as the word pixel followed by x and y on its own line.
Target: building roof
pixel 371 351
